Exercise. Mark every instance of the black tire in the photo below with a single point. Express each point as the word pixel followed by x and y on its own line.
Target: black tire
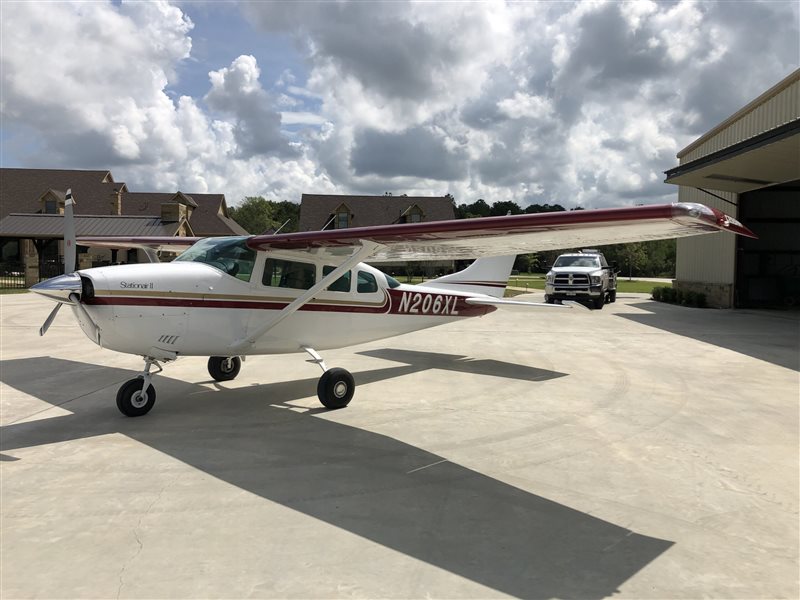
pixel 335 388
pixel 222 370
pixel 600 301
pixel 132 402
pixel 549 299
pixel 612 296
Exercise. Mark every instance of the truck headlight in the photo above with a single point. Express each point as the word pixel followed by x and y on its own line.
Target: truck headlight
pixel 596 278
pixel 550 277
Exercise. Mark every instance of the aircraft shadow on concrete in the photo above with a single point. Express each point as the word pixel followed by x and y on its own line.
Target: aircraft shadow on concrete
pixel 772 337
pixel 368 484
pixel 464 364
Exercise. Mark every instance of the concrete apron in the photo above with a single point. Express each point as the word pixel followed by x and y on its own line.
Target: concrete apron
pixel 641 451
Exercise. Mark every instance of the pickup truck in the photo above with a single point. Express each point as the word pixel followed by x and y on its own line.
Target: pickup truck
pixel 582 276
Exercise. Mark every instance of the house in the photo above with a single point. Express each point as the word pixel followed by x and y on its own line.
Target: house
pixel 32 200
pixel 326 211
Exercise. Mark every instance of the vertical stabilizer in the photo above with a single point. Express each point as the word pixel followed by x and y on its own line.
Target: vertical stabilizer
pixel 484 276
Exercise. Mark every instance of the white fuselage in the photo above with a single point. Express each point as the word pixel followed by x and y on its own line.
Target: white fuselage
pixel 165 310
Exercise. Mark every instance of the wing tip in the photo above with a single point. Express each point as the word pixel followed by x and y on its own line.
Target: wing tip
pixel 712 216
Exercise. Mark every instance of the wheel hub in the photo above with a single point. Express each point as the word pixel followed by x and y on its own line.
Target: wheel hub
pixel 340 389
pixel 139 399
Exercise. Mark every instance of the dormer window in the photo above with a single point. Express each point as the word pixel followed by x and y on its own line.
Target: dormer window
pixel 343 217
pixel 52 202
pixel 413 214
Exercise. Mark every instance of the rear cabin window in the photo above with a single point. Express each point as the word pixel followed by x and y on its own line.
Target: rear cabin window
pixel 289 274
pixel 366 283
pixel 340 285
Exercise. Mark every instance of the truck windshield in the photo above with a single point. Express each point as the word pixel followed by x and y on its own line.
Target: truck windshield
pixel 228 254
pixel 577 261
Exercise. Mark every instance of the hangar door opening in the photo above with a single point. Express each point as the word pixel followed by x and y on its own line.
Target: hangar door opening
pixel 768 269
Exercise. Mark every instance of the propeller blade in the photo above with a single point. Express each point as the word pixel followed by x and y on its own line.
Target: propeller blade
pixel 43 329
pixel 70 249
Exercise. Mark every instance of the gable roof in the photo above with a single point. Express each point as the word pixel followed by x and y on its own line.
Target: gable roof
pixel 22 189
pixel 209 218
pixel 45 226
pixel 316 209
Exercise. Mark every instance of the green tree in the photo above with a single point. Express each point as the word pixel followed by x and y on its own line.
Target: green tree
pixel 258 215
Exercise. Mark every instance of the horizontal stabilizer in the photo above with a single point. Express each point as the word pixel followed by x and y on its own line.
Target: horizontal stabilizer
pixel 519 304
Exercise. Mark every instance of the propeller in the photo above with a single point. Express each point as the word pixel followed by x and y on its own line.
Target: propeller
pixel 67 283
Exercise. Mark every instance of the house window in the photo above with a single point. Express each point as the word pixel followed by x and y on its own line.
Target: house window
pixel 342 217
pixel 50 207
pixel 412 215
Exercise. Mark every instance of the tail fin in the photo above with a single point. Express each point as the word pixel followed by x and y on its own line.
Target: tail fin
pixel 485 276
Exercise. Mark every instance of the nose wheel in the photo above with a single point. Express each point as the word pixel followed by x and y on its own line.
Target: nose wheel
pixel 137 396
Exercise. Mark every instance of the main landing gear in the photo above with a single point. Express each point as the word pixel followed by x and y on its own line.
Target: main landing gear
pixel 137 396
pixel 336 386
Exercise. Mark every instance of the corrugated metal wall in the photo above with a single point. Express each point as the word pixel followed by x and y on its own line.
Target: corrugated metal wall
pixel 773 112
pixel 711 258
pixel 707 258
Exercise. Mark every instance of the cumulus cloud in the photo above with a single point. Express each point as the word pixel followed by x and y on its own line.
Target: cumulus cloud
pixel 579 104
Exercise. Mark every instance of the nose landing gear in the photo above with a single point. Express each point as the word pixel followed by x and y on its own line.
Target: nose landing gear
pixel 137 396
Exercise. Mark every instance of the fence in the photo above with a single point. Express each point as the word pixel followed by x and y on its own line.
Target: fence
pixel 12 275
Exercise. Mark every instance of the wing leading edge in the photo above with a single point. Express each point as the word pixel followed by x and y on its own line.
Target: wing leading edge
pixel 518 234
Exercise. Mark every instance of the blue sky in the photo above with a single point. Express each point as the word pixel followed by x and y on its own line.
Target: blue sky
pixel 582 104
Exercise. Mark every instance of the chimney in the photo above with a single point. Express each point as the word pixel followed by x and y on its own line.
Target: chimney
pixel 116 202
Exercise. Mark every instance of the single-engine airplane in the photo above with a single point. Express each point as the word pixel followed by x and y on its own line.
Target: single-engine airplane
pixel 231 297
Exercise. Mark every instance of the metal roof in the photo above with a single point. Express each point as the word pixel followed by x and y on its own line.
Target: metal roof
pixel 45 226
pixel 767 159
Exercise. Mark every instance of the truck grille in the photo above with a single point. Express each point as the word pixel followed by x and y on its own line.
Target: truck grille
pixel 570 279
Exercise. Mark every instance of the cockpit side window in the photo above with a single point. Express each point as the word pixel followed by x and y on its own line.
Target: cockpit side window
pixel 288 274
pixel 366 283
pixel 340 285
pixel 228 254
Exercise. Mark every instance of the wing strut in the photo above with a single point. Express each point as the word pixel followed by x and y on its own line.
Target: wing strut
pixel 363 252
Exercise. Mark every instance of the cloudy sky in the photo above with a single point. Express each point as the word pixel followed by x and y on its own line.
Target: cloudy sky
pixel 575 103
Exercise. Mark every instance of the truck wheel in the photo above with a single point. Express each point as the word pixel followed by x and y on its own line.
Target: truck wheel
pixel 548 299
pixel 599 301
pixel 612 296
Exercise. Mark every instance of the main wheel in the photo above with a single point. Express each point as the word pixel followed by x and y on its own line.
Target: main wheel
pixel 224 368
pixel 335 388
pixel 599 301
pixel 132 401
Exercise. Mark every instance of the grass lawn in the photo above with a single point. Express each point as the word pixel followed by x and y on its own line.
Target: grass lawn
pixel 13 291
pixel 535 281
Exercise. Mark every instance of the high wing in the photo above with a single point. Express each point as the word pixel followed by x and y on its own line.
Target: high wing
pixel 518 234
pixel 487 236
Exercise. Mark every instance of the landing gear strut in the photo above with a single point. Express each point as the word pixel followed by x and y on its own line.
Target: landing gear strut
pixel 224 368
pixel 137 396
pixel 336 386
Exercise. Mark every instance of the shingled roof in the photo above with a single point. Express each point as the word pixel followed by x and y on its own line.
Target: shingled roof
pixel 209 218
pixel 21 190
pixel 316 209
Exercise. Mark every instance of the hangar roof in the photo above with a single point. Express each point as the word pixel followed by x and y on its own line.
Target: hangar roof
pixel 767 159
pixel 756 147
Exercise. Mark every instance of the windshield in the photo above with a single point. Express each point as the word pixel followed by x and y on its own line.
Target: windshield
pixel 577 261
pixel 228 254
